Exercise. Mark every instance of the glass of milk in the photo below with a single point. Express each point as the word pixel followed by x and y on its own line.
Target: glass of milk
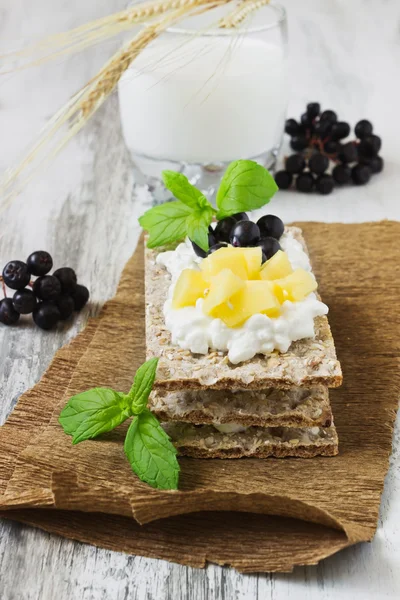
pixel 199 97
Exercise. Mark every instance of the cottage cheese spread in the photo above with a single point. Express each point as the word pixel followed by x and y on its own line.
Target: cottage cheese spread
pixel 192 330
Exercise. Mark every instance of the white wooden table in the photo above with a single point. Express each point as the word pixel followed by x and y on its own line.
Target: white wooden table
pixel 345 55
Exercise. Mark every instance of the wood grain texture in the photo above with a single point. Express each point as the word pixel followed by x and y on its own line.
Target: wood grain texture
pixel 82 210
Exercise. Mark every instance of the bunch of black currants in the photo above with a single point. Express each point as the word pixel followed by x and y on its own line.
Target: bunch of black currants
pixel 239 231
pixel 50 298
pixel 323 159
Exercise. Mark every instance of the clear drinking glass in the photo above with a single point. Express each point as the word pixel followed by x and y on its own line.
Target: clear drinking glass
pixel 200 96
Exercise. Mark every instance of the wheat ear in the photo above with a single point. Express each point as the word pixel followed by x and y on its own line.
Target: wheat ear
pixel 91 33
pixel 239 13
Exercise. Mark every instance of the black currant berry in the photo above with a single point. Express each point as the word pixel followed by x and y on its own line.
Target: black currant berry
pixel 24 302
pixel 217 247
pixel 39 263
pixel 223 229
pixel 67 277
pixel 305 183
pixel 245 233
pixel 269 246
pixel 328 115
pixel 340 130
pixel 370 146
pixel 360 174
pixel 375 164
pixel 66 306
pixel 292 127
pixel 80 296
pixel 46 315
pixel 8 314
pixel 324 184
pixel 211 241
pixel 318 163
pixel 47 287
pixel 363 128
pixel 348 153
pixel 331 147
pixel 306 120
pixel 341 174
pixel 298 143
pixel 271 226
pixel 322 128
pixel 295 163
pixel 283 180
pixel 313 109
pixel 16 275
pixel 241 216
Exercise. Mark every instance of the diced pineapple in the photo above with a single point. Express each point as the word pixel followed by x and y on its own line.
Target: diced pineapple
pixel 276 289
pixel 189 288
pixel 255 297
pixel 224 258
pixel 276 267
pixel 222 287
pixel 297 285
pixel 253 258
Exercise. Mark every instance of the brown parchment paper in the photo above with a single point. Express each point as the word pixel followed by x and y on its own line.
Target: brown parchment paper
pixel 284 512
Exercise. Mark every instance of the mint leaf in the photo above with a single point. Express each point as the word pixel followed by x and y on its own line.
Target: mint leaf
pixel 197 226
pixel 142 385
pixel 183 190
pixel 245 186
pixel 93 412
pixel 165 223
pixel 151 453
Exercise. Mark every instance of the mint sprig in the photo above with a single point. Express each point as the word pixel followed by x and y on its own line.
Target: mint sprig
pixel 94 412
pixel 149 451
pixel 147 447
pixel 245 186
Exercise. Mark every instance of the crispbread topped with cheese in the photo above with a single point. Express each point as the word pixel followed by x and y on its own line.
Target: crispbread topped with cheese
pixel 308 362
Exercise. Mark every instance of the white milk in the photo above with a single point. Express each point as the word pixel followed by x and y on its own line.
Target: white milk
pixel 205 99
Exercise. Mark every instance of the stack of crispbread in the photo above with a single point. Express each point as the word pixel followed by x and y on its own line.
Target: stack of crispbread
pixel 274 405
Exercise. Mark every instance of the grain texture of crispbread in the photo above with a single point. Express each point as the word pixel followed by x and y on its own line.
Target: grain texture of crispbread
pixel 307 363
pixel 297 407
pixel 204 441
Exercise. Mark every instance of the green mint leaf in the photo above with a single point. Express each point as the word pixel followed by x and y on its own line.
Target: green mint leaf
pixel 183 190
pixel 197 226
pixel 93 412
pixel 245 186
pixel 142 385
pixel 165 223
pixel 151 453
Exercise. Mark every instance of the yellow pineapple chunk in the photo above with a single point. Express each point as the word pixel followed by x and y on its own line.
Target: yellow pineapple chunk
pixel 253 258
pixel 297 285
pixel 189 288
pixel 224 258
pixel 276 289
pixel 255 297
pixel 276 267
pixel 222 287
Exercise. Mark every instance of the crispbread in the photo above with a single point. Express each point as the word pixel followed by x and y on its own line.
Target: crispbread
pixel 307 363
pixel 204 441
pixel 297 407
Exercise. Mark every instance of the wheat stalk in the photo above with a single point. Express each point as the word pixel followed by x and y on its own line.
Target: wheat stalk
pixel 79 38
pixel 83 105
pixel 239 13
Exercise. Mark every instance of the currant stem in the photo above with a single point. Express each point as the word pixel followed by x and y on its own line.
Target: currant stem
pixel 3 285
